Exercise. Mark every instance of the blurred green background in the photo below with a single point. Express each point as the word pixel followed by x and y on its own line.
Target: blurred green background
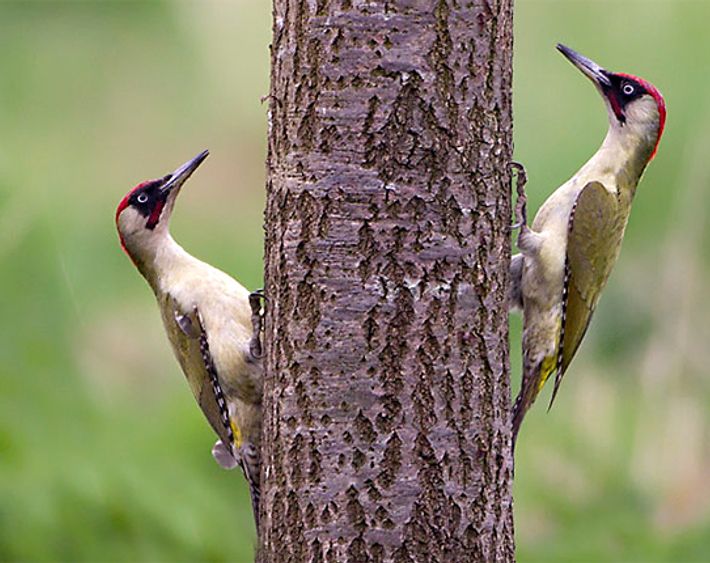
pixel 103 455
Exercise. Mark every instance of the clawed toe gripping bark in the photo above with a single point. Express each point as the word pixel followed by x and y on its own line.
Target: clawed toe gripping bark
pixel 255 299
pixel 521 215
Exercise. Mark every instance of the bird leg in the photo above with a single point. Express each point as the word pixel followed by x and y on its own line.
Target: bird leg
pixel 528 240
pixel 515 294
pixel 185 325
pixel 255 298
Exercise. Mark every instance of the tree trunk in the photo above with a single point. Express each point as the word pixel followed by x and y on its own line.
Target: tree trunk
pixel 386 431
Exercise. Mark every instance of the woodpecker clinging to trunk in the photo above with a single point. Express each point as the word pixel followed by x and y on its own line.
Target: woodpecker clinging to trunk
pixel 212 322
pixel 568 252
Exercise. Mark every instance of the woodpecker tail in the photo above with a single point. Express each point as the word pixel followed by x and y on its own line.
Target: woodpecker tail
pixel 246 457
pixel 535 375
pixel 251 466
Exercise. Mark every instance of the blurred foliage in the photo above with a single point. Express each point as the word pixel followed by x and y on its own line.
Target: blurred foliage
pixel 103 455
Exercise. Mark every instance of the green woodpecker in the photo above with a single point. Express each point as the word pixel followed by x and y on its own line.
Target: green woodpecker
pixel 568 252
pixel 212 322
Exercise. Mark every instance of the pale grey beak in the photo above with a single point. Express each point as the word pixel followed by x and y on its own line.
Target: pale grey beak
pixel 178 177
pixel 587 66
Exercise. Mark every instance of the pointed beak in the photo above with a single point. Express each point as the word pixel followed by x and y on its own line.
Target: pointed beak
pixel 591 69
pixel 177 178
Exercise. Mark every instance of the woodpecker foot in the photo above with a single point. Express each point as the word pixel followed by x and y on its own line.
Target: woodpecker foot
pixel 521 215
pixel 187 326
pixel 255 299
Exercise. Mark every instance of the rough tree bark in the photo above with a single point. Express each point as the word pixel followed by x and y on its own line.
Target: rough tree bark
pixel 386 405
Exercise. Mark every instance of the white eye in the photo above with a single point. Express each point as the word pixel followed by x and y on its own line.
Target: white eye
pixel 628 89
pixel 142 198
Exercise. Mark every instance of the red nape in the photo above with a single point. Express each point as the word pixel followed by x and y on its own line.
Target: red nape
pixel 660 102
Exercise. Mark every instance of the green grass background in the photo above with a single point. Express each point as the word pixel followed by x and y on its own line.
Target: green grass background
pixel 103 455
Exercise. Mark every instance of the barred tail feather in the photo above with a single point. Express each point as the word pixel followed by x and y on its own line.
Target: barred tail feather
pixel 247 458
pixel 251 466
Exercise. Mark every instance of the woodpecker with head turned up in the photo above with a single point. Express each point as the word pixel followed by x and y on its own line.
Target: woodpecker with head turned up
pixel 212 322
pixel 569 250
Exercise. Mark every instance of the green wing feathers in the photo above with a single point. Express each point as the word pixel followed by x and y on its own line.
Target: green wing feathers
pixel 595 230
pixel 188 339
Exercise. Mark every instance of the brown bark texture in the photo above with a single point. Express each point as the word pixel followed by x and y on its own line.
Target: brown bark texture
pixel 386 409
